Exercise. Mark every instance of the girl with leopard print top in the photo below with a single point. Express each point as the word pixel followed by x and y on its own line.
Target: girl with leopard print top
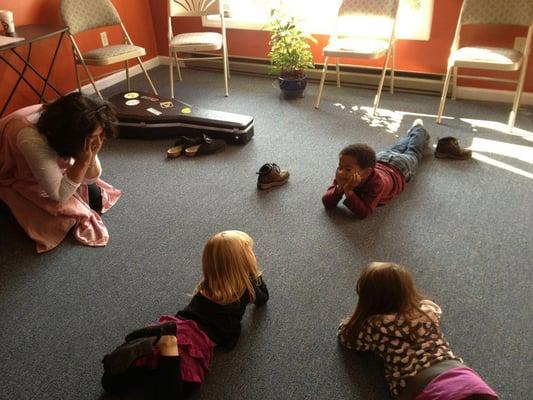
pixel 395 321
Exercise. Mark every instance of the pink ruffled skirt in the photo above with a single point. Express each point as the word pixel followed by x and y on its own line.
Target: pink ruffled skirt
pixel 194 346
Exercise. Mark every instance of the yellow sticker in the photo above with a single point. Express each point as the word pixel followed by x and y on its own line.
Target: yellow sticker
pixel 166 104
pixel 185 110
pixel 131 95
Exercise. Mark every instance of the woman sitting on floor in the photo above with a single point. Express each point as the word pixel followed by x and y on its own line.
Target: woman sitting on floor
pixel 50 171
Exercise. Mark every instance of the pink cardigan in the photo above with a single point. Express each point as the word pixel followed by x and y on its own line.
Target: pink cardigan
pixel 45 220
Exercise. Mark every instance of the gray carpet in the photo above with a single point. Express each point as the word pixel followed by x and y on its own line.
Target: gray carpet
pixel 464 228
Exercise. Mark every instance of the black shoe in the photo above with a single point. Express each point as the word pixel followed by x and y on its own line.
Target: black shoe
pixel 181 144
pixel 448 147
pixel 168 328
pixel 206 146
pixel 177 148
pixel 120 359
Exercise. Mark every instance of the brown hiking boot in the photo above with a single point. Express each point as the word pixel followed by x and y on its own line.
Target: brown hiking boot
pixel 448 147
pixel 271 175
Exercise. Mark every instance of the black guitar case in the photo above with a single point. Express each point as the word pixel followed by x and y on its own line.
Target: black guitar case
pixel 148 116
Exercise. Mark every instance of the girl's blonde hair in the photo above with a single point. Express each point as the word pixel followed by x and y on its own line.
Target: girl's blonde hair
pixel 229 266
pixel 384 288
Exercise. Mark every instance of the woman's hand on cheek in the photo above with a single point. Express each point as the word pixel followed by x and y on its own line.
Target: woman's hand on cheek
pixel 92 146
pixel 96 144
pixel 85 155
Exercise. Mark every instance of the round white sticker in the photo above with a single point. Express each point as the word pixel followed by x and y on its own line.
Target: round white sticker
pixel 132 102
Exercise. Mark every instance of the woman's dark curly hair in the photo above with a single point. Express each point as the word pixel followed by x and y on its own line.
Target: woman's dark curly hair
pixel 69 120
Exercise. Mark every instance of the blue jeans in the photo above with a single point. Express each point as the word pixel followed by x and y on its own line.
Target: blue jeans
pixel 407 153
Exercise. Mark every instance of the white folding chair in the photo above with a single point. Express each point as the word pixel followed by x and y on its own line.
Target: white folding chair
pixel 490 12
pixel 364 30
pixel 84 15
pixel 194 42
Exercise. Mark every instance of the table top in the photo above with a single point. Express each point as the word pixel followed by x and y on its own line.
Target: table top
pixel 33 33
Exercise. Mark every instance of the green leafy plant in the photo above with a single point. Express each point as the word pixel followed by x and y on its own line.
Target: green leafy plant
pixel 290 52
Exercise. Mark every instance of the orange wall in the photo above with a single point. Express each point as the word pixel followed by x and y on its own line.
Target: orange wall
pixel 146 21
pixel 412 55
pixel 135 14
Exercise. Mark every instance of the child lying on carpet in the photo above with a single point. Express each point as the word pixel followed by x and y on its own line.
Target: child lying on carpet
pixel 174 353
pixel 401 326
pixel 367 180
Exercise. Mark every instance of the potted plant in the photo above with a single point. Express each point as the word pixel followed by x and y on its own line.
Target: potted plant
pixel 290 53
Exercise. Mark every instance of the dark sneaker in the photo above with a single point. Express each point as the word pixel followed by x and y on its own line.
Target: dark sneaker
pixel 448 147
pixel 120 359
pixel 168 328
pixel 271 175
pixel 206 146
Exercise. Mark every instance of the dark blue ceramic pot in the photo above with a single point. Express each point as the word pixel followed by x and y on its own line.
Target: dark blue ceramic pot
pixel 292 87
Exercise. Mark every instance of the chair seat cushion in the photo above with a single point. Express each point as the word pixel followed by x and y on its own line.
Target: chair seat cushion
pixel 113 54
pixel 357 48
pixel 497 58
pixel 196 41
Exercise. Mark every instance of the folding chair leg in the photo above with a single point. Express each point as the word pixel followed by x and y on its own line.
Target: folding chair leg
pixel 391 87
pixel 381 82
pixel 91 79
pixel 77 55
pixel 227 66
pixel 171 75
pixel 338 72
pixel 518 95
pixel 127 75
pixel 177 65
pixel 322 79
pixel 146 74
pixel 226 91
pixel 78 81
pixel 454 84
pixel 444 94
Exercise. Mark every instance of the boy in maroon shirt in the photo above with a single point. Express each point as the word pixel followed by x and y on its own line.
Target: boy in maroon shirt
pixel 367 180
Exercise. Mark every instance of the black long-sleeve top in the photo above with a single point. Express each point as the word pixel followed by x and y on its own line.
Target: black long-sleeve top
pixel 222 323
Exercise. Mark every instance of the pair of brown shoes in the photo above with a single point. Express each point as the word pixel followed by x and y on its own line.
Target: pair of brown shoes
pixel 448 147
pixel 271 175
pixel 195 146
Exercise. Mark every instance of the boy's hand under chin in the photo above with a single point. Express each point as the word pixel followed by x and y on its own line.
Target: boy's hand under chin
pixel 352 183
pixel 339 189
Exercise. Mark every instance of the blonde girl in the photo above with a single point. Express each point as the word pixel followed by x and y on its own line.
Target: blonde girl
pixel 399 324
pixel 175 352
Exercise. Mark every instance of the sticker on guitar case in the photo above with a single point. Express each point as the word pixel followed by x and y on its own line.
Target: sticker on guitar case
pixel 131 95
pixel 154 111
